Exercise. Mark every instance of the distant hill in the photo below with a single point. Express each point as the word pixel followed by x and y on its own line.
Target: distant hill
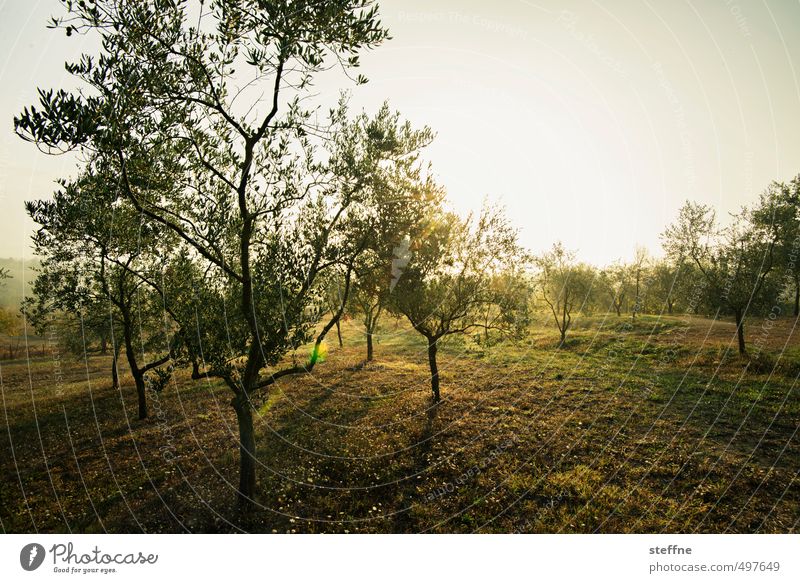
pixel 13 290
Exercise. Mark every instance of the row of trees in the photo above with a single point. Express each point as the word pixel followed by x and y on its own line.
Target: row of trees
pixel 217 226
pixel 746 267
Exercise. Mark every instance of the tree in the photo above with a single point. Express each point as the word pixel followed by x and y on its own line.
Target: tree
pixel 333 287
pixel 779 209
pixel 403 196
pixel 735 261
pixel 11 326
pixel 562 284
pixel 8 320
pixel 665 285
pixel 94 254
pixel 446 285
pixel 614 281
pixel 368 300
pixel 638 269
pixel 403 215
pixel 511 291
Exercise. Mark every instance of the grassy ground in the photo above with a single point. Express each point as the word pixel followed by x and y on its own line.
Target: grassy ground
pixel 655 426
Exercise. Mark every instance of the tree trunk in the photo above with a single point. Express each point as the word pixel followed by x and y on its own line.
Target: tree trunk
pixel 115 368
pixel 564 324
pixel 740 331
pixel 371 316
pixel 195 369
pixel 669 306
pixel 796 296
pixel 130 353
pixel 138 377
pixel 434 368
pixel 247 452
pixel 141 395
pixel 339 333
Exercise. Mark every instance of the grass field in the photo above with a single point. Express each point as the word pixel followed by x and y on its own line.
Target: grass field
pixel 656 426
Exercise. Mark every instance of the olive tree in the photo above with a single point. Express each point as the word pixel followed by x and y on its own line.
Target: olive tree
pixel 779 209
pixel 447 283
pixel 563 284
pixel 97 258
pixel 614 282
pixel 639 270
pixel 665 285
pixel 402 199
pixel 735 260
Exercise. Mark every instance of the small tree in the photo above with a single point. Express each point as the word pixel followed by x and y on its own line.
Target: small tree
pixel 563 285
pixel 93 256
pixel 614 282
pixel 665 285
pixel 368 299
pixel 509 311
pixel 403 217
pixel 403 199
pixel 447 284
pixel 735 261
pixel 779 210
pixel 333 293
pixel 8 320
pixel 638 270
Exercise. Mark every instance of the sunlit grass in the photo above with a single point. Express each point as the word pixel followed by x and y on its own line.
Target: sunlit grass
pixel 637 426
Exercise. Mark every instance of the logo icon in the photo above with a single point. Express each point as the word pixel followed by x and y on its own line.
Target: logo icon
pixel 31 556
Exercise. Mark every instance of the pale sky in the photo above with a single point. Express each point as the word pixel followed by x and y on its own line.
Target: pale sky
pixel 591 121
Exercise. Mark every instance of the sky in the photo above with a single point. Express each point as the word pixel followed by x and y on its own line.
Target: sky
pixel 591 122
